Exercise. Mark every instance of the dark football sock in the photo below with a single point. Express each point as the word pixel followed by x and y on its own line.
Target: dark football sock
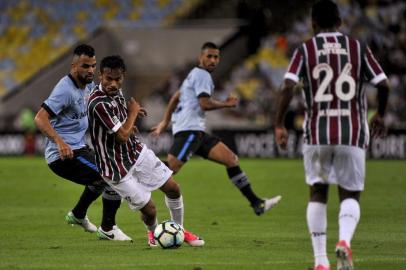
pixel 240 180
pixel 84 202
pixel 110 208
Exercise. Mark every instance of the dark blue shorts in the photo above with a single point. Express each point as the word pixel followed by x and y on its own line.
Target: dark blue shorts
pixel 188 143
pixel 81 169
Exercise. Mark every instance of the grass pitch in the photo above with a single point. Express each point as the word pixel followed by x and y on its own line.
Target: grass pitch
pixel 33 234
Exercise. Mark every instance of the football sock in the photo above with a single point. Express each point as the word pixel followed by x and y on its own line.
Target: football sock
pixel 348 219
pixel 88 196
pixel 240 180
pixel 175 207
pixel 110 208
pixel 317 223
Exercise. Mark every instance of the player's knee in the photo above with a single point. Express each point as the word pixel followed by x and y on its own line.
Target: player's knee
pixel 171 189
pixel 232 160
pixel 319 193
pixel 174 191
pixel 174 164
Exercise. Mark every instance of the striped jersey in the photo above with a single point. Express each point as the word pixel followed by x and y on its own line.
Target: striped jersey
pixel 333 67
pixel 106 115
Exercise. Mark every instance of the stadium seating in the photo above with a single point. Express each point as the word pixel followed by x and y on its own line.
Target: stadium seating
pixel 379 24
pixel 33 33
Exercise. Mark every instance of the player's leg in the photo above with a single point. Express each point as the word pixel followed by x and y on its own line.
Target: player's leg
pixel 89 174
pixel 316 216
pixel 173 200
pixel 348 219
pixel 349 213
pixel 138 197
pixel 317 165
pixel 174 163
pixel 215 150
pixel 148 216
pixel 111 203
pixel 350 171
pixel 73 170
pixel 184 145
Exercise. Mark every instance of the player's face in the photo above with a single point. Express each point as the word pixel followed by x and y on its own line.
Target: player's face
pixel 84 68
pixel 209 59
pixel 111 80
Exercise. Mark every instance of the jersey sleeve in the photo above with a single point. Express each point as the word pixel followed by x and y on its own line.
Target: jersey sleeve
pixel 373 71
pixel 59 99
pixel 203 84
pixel 104 113
pixel 295 67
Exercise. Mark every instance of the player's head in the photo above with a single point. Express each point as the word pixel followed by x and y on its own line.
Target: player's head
pixel 111 74
pixel 325 16
pixel 209 56
pixel 83 64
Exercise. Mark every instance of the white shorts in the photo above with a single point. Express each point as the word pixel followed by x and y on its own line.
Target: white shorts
pixel 147 174
pixel 335 164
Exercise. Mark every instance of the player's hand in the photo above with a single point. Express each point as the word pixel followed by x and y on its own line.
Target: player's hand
pixel 64 150
pixel 378 129
pixel 157 130
pixel 231 101
pixel 142 112
pixel 281 137
pixel 133 106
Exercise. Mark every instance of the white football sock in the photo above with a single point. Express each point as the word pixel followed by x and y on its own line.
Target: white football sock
pixel 317 224
pixel 175 207
pixel 348 219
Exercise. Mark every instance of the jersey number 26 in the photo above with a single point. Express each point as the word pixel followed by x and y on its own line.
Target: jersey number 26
pixel 344 77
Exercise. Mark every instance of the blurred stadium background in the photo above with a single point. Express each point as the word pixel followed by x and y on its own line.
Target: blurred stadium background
pixel 160 41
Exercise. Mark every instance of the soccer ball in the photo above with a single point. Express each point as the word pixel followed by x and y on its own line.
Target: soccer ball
pixel 169 234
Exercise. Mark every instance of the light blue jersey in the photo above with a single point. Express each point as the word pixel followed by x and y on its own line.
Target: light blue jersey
pixel 188 115
pixel 67 107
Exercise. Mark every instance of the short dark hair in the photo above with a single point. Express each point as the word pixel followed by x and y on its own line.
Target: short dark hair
pixel 112 62
pixel 209 45
pixel 84 49
pixel 326 14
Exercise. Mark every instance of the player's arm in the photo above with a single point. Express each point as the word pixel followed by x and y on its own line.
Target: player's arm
pixel 207 103
pixel 284 98
pixel 127 129
pixel 173 102
pixel 378 128
pixel 44 125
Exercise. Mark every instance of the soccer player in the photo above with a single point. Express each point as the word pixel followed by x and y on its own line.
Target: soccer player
pixel 187 110
pixel 126 164
pixel 63 120
pixel 333 68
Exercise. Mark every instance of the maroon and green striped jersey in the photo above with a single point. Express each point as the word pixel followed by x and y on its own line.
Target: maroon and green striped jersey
pixel 332 68
pixel 106 115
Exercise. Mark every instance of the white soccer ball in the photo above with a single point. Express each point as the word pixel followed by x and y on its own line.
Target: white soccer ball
pixel 169 234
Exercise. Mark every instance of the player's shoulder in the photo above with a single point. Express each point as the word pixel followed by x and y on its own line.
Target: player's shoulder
pixel 97 96
pixel 64 82
pixel 199 73
pixel 64 87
